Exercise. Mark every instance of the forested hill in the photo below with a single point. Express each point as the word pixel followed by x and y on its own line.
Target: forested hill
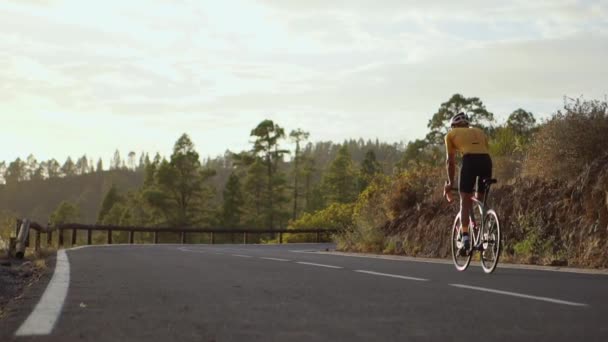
pixel 37 199
pixel 35 190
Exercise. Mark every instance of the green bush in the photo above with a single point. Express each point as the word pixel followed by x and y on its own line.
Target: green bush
pixel 369 215
pixel 337 216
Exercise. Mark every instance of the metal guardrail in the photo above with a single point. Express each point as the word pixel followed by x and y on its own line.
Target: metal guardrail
pixel 25 227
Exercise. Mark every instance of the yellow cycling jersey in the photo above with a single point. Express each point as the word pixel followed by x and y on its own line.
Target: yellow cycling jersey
pixel 466 141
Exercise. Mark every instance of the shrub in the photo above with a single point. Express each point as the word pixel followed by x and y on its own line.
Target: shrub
pixel 412 187
pixel 337 216
pixel 569 141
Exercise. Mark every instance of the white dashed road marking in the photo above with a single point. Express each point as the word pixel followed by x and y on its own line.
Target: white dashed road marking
pixel 241 256
pixel 274 259
pixel 520 295
pixel 391 275
pixel 42 320
pixel 319 265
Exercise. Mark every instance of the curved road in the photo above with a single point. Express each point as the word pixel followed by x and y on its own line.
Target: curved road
pixel 292 293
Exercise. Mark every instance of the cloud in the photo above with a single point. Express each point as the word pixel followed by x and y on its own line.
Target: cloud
pixel 361 68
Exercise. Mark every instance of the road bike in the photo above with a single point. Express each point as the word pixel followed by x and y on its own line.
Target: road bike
pixel 484 234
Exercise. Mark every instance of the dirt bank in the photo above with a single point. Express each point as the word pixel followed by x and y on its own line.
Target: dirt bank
pixel 543 222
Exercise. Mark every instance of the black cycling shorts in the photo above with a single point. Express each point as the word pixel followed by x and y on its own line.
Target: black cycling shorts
pixel 473 166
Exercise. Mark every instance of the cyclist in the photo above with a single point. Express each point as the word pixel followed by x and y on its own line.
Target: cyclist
pixel 472 143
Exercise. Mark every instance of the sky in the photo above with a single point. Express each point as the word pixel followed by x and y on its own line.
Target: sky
pixel 89 77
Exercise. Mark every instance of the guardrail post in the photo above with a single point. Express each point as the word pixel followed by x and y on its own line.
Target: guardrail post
pixel 156 237
pixel 280 237
pixel 183 237
pixel 37 243
pixel 109 236
pixel 212 238
pixel 89 237
pixel 131 237
pixel 22 237
pixel 60 238
pixel 318 236
pixel 245 237
pixel 49 237
pixel 74 235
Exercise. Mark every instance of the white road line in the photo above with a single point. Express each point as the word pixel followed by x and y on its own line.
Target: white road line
pixel 184 249
pixel 274 259
pixel 42 320
pixel 391 275
pixel 241 256
pixel 319 265
pixel 520 295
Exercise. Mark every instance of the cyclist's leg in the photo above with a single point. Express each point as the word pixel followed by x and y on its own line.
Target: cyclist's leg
pixel 484 171
pixel 466 185
pixel 466 204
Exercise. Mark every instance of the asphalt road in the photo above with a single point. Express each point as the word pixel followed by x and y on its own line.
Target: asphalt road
pixel 286 293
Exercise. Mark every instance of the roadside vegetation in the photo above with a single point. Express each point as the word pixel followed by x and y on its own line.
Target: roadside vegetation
pixel 384 198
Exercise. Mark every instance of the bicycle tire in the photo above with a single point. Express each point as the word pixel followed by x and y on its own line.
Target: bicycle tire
pixel 492 241
pixel 461 265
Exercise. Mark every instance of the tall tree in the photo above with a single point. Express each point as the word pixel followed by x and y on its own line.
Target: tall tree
pixel 233 202
pixel 297 136
pixel 369 168
pixel 15 172
pixel 309 170
pixel 521 121
pixel 53 168
pixel 69 168
pixel 31 166
pixel 266 145
pixel 179 190
pixel 2 172
pixel 99 167
pixel 131 161
pixel 472 106
pixel 91 166
pixel 339 182
pixel 82 165
pixel 110 199
pixel 116 161
pixel 255 187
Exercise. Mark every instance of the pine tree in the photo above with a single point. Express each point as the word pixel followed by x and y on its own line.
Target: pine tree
pixel 15 172
pixel 99 167
pixel 297 136
pixel 53 169
pixel 255 187
pixel 178 189
pixel 233 202
pixel 369 168
pixel 110 199
pixel 69 168
pixel 266 145
pixel 339 182
pixel 116 162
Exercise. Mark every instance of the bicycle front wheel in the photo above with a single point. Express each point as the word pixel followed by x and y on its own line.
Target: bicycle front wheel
pixel 461 262
pixel 491 242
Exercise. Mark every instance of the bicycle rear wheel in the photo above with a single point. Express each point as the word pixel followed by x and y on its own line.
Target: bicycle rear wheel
pixel 491 242
pixel 460 262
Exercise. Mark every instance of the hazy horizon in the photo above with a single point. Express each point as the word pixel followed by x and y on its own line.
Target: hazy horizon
pixel 81 77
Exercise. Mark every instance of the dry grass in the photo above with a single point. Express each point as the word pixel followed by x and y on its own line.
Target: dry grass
pixel 569 141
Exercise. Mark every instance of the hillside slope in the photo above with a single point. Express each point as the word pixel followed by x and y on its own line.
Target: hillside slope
pixel 547 222
pixel 38 199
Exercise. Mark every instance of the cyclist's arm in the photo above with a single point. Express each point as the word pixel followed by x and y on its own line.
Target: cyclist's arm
pixel 450 159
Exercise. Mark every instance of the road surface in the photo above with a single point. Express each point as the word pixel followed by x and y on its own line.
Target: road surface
pixel 292 293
